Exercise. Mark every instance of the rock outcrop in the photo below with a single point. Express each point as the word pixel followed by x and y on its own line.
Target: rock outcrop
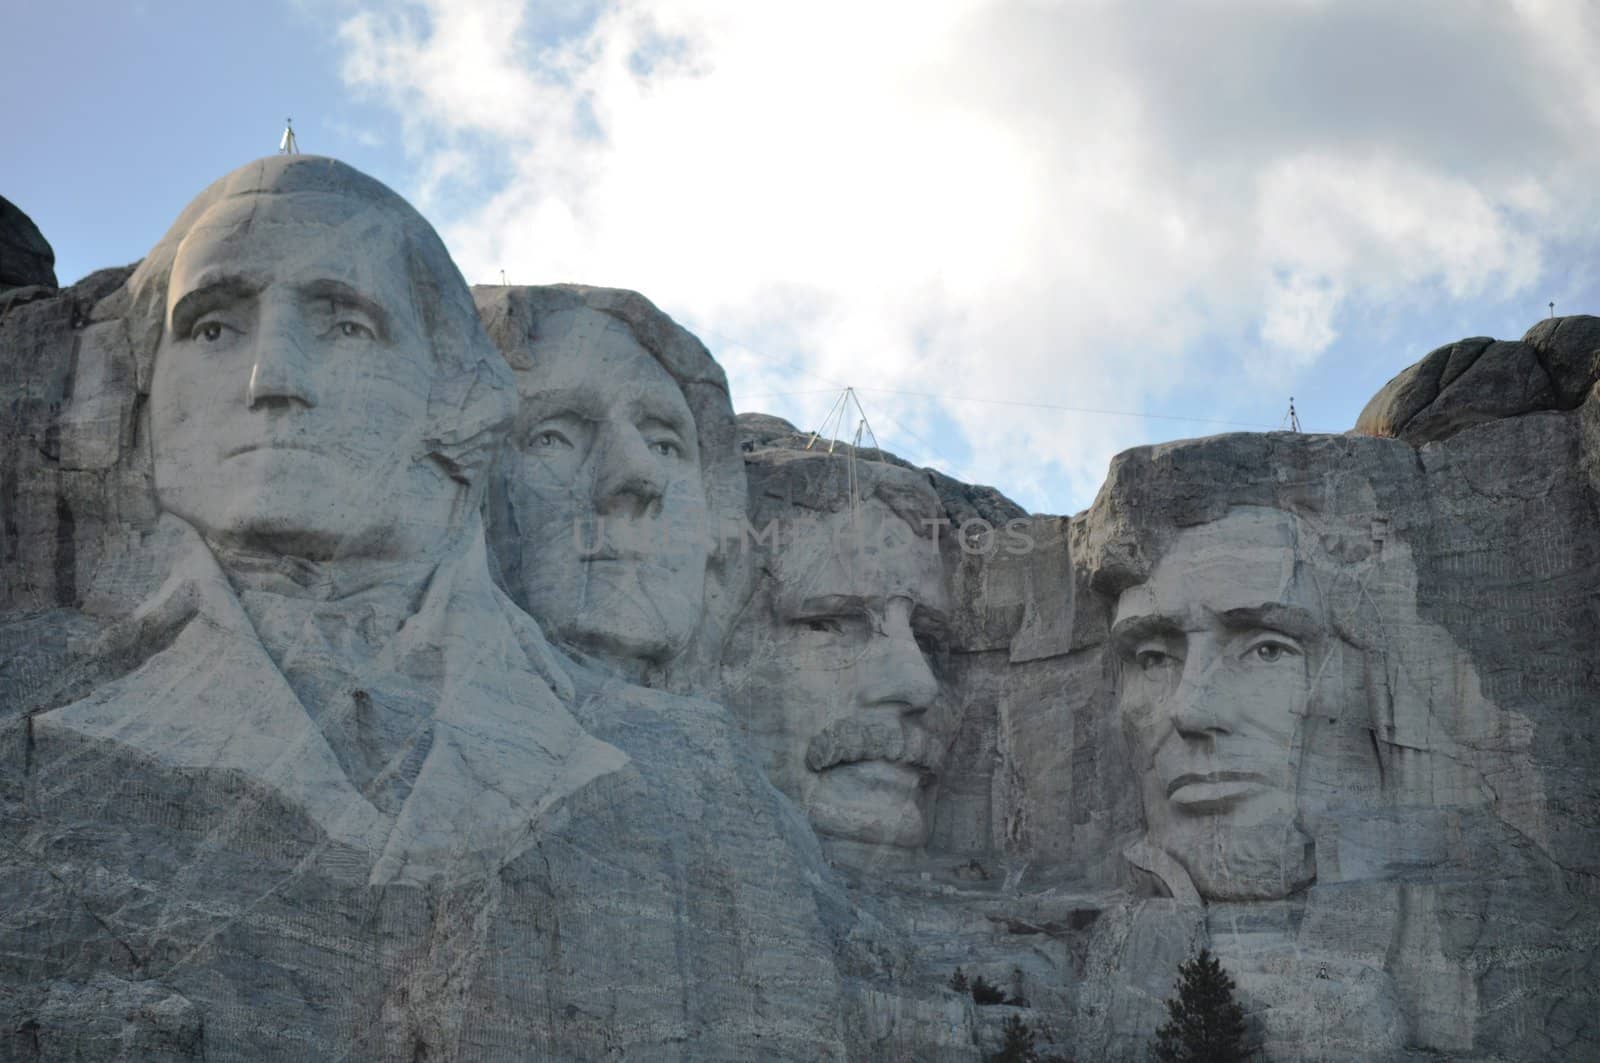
pixel 1473 381
pixel 26 258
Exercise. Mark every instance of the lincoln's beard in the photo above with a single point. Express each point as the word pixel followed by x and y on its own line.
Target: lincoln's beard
pixel 1255 852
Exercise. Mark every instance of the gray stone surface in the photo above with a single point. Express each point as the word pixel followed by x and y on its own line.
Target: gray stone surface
pixel 962 501
pixel 608 512
pixel 25 256
pixel 1429 886
pixel 830 664
pixel 1453 887
pixel 1477 380
pixel 285 774
pixel 363 758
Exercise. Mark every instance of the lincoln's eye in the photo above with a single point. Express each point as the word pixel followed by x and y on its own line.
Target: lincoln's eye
pixel 355 330
pixel 1272 651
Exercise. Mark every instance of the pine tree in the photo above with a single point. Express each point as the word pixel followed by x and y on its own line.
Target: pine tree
pixel 984 994
pixel 1204 1023
pixel 958 981
pixel 1018 1044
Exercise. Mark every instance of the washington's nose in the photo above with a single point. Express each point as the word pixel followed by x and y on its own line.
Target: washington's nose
pixel 281 373
pixel 628 481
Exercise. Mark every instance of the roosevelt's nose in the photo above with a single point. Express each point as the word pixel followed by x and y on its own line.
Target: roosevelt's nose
pixel 894 670
pixel 628 480
pixel 1200 707
pixel 280 374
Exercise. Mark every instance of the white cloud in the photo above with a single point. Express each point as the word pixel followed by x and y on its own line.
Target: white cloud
pixel 1067 203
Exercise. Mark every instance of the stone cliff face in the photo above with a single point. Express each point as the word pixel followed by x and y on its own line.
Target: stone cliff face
pixel 1323 704
pixel 1454 858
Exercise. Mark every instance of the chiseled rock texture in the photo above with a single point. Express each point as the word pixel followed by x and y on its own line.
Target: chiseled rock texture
pixel 74 485
pixel 576 867
pixel 1476 380
pixel 1452 905
pixel 1465 879
pixel 677 906
pixel 25 256
pixel 1447 845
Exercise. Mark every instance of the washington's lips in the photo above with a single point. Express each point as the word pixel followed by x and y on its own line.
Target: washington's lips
pixel 271 444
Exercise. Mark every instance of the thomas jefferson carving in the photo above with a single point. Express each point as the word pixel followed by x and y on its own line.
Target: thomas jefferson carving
pixel 604 513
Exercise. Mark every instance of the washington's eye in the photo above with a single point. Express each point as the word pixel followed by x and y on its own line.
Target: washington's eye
pixel 355 330
pixel 209 331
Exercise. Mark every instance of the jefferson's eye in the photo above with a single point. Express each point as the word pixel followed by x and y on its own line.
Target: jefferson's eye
pixel 666 448
pixel 355 330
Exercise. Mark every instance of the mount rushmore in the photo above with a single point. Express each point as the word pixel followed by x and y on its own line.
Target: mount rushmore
pixel 397 670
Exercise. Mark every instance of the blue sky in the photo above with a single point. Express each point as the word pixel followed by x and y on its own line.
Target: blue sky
pixel 1188 211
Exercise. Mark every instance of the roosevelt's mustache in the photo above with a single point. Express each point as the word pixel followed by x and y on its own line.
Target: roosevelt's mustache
pixel 851 739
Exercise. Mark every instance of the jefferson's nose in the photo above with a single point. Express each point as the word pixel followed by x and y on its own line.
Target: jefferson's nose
pixel 628 479
pixel 280 375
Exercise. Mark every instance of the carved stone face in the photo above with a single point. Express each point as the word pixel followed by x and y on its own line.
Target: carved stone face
pixel 291 385
pixel 837 693
pixel 1219 654
pixel 604 495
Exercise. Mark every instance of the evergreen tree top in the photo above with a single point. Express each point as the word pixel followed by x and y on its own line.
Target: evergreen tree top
pixel 1204 1022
